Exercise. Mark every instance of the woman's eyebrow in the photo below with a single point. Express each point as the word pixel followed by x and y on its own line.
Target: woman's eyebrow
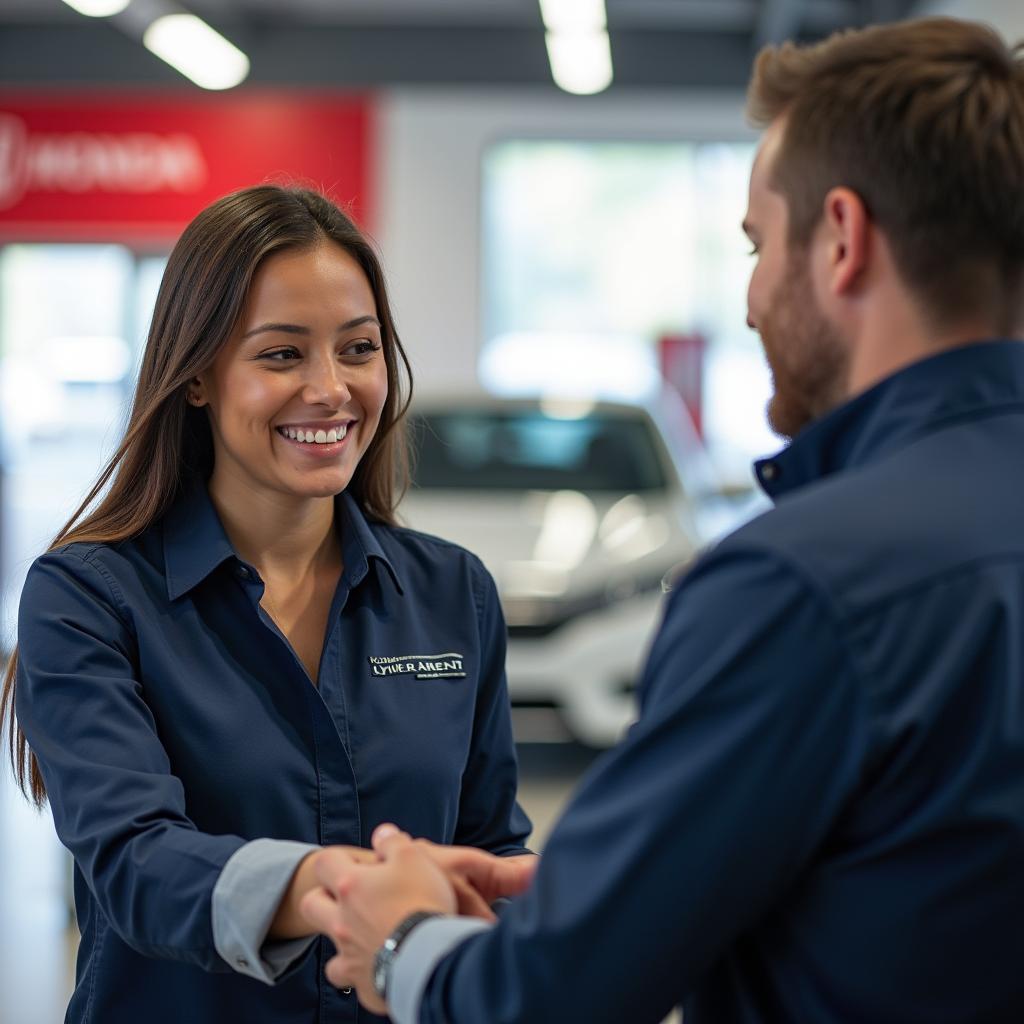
pixel 282 328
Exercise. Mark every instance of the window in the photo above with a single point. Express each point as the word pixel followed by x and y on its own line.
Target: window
pixel 72 321
pixel 594 250
pixel 529 450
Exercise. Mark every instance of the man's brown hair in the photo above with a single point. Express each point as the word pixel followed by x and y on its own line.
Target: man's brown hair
pixel 924 120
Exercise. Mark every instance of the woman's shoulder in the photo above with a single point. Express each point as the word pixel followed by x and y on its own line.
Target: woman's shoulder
pixel 405 541
pixel 109 554
pixel 431 560
pixel 90 562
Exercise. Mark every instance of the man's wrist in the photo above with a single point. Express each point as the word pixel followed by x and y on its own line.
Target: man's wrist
pixel 385 957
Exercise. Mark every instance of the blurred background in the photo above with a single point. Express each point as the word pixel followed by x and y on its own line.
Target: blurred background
pixel 556 188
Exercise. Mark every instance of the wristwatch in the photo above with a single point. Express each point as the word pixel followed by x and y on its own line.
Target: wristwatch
pixel 385 957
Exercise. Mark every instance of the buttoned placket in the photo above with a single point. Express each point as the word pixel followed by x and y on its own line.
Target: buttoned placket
pixel 335 776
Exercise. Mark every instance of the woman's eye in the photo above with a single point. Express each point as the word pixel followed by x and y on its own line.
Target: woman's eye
pixel 362 348
pixel 281 355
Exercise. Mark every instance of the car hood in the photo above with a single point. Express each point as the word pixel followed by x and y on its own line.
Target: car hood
pixel 553 545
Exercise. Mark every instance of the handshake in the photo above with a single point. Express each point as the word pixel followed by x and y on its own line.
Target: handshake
pixel 358 897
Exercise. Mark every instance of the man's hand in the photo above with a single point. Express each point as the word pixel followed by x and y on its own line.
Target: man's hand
pixel 479 878
pixel 360 905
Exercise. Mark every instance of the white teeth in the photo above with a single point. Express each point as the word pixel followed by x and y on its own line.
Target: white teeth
pixel 317 437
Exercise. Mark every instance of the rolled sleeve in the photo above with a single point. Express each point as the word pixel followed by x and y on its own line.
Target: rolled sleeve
pixel 245 900
pixel 426 946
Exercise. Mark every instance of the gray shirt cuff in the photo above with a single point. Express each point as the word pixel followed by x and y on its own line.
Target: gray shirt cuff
pixel 426 946
pixel 245 900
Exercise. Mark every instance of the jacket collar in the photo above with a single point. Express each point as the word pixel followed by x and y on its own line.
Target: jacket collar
pixel 980 378
pixel 195 543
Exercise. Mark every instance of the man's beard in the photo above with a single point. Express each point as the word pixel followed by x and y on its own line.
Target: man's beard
pixel 808 359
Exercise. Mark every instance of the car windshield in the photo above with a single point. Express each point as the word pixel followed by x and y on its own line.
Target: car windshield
pixel 528 450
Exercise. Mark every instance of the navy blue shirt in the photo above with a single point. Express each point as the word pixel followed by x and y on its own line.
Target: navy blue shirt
pixel 820 814
pixel 173 723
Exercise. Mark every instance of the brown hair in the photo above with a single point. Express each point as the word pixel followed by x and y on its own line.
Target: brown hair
pixel 924 120
pixel 168 443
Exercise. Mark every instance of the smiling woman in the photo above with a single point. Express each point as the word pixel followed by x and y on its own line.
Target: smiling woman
pixel 195 681
pixel 295 396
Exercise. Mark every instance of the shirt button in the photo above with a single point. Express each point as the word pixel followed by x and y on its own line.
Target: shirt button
pixel 769 471
pixel 242 572
pixel 242 962
pixel 346 991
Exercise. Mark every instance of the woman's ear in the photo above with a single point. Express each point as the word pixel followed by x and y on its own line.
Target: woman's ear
pixel 195 394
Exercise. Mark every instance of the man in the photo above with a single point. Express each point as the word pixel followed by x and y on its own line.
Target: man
pixel 820 813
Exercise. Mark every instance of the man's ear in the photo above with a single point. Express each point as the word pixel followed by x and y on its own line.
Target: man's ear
pixel 846 230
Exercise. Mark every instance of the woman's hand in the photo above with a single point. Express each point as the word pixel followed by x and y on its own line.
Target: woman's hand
pixel 360 905
pixel 288 922
pixel 476 878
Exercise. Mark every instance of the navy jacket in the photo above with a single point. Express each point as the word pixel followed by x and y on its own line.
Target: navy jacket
pixel 820 814
pixel 173 722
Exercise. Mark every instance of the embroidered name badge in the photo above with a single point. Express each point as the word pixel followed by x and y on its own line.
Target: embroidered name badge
pixel 422 666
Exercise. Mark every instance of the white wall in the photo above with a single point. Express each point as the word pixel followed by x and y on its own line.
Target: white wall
pixel 430 146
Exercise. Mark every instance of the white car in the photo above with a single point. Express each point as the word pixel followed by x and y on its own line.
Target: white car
pixel 580 511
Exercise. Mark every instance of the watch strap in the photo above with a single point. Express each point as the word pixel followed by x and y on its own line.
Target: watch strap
pixel 385 956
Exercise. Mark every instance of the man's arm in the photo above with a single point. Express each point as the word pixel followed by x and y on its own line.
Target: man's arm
pixel 750 740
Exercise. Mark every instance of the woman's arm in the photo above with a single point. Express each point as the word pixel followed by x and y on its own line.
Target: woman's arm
pixel 288 922
pixel 116 804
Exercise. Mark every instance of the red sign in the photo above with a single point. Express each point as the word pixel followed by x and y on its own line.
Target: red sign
pixel 118 168
pixel 682 366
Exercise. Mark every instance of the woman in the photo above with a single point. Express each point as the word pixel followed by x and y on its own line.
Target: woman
pixel 237 658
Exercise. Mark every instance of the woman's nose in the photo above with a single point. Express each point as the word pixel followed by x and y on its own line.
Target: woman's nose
pixel 326 385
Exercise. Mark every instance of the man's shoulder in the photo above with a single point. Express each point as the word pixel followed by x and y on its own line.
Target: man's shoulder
pixel 889 526
pixel 813 517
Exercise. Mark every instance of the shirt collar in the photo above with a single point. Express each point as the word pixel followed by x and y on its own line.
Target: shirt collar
pixel 359 543
pixel 195 543
pixel 978 378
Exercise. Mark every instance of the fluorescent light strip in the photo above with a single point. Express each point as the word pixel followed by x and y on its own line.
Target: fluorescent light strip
pixel 190 46
pixel 98 8
pixel 581 62
pixel 574 15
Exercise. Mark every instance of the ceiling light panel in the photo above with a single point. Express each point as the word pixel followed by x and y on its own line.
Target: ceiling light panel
pixel 574 15
pixel 98 8
pixel 581 62
pixel 199 52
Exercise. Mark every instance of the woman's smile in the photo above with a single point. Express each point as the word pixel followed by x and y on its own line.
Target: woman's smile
pixel 317 440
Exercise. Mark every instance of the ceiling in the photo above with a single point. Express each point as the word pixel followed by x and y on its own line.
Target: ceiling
pixel 352 43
